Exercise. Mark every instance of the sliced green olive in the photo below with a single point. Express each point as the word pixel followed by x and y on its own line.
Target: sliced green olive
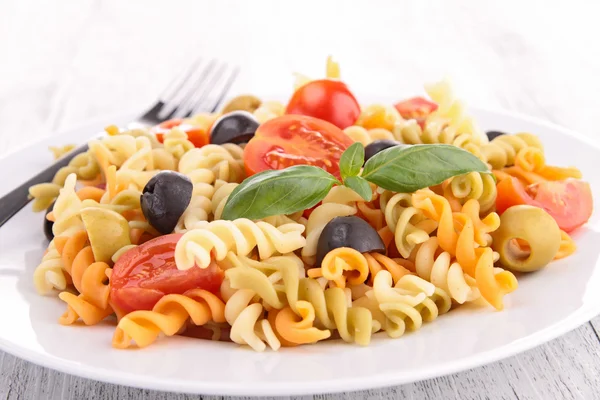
pixel 245 102
pixel 532 225
pixel 107 230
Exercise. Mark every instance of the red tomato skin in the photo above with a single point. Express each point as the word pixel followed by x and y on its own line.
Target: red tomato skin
pixel 569 202
pixel 296 140
pixel 417 108
pixel 195 135
pixel 511 192
pixel 325 99
pixel 144 274
pixel 306 213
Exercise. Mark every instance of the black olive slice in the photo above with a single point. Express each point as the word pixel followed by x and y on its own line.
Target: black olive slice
pixel 378 145
pixel 235 127
pixel 494 134
pixel 348 232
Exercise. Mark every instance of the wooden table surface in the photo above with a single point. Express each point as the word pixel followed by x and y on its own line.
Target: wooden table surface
pixel 62 64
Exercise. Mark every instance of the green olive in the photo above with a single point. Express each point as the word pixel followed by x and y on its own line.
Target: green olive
pixel 533 225
pixel 245 102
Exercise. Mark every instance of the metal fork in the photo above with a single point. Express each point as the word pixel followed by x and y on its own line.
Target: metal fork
pixel 201 87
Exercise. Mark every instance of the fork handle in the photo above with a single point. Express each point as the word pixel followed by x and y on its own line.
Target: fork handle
pixel 13 201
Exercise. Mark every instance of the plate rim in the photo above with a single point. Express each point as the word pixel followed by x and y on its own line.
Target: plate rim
pixel 335 385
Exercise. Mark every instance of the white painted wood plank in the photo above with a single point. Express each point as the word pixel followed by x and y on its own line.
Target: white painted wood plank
pixel 64 65
pixel 566 368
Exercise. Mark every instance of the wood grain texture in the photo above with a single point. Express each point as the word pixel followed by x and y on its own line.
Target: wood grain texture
pixel 62 65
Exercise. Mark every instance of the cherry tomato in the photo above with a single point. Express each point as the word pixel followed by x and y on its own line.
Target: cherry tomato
pixel 196 135
pixel 144 274
pixel 568 202
pixel 417 108
pixel 325 99
pixel 306 213
pixel 296 140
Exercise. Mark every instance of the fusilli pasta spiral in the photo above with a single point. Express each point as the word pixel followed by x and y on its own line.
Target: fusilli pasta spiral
pixel 91 305
pixel 457 235
pixel 406 222
pixel 451 110
pixel 168 316
pixel 240 236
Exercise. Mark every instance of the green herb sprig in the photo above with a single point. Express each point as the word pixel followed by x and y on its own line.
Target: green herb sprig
pixel 402 169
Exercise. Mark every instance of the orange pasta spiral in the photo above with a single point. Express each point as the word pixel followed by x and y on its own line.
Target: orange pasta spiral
pixel 342 266
pixel 89 276
pixel 567 246
pixel 462 235
pixel 397 267
pixel 168 316
pixel 298 328
pixel 530 167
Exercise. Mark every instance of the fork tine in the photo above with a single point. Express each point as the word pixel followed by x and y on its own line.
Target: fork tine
pixel 225 90
pixel 173 88
pixel 188 107
pixel 205 94
pixel 191 89
pixel 182 98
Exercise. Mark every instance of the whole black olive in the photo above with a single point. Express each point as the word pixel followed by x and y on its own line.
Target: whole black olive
pixel 164 198
pixel 348 232
pixel 378 145
pixel 494 134
pixel 48 224
pixel 235 127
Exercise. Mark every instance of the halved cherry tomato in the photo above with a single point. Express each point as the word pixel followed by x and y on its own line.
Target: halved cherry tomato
pixel 325 99
pixel 196 135
pixel 569 202
pixel 417 108
pixel 296 140
pixel 144 274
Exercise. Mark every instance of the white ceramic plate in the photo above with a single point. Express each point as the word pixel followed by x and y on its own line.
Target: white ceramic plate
pixel 546 305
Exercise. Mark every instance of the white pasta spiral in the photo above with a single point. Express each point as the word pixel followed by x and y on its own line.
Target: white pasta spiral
pixel 501 151
pixel 225 161
pixel 176 142
pixel 114 150
pixel 269 110
pixel 247 322
pixel 49 274
pixel 444 273
pixel 404 306
pixel 435 132
pixel 67 210
pixel 406 222
pixel 452 111
pixel 83 165
pixel 209 168
pixel 200 205
pixel 366 136
pixel 481 187
pixel 240 236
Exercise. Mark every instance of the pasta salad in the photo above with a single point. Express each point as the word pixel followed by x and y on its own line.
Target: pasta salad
pixel 274 225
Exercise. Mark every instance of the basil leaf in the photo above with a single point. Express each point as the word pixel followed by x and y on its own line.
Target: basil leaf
pixel 406 169
pixel 275 192
pixel 360 186
pixel 352 160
